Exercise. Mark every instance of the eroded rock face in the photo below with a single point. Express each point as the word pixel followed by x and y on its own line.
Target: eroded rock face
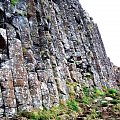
pixel 49 43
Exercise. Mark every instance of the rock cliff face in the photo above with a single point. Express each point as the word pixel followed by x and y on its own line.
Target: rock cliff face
pixel 44 44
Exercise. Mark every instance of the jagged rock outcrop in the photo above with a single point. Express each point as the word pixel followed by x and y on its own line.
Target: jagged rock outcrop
pixel 43 45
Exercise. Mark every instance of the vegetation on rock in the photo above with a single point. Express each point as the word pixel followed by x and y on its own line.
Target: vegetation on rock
pixel 91 105
pixel 13 2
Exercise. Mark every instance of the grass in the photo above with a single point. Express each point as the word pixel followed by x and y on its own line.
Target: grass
pixel 84 106
pixel 97 92
pixel 65 108
pixel 72 105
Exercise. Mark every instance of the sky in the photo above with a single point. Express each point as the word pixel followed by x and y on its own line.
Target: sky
pixel 106 13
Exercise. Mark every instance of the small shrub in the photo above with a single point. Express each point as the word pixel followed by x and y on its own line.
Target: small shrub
pixel 112 91
pixel 86 91
pixel 97 92
pixel 85 100
pixel 114 102
pixel 13 2
pixel 72 105
pixel 44 115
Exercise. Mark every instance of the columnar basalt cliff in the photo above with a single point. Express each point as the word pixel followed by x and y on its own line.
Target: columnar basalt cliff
pixel 44 44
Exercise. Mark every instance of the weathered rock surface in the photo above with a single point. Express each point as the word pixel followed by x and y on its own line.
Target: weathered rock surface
pixel 43 45
pixel 117 74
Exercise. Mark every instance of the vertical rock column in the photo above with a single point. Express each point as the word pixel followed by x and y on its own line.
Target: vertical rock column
pixel 59 63
pixel 76 52
pixel 41 52
pixel 20 76
pixel 34 82
pixel 17 34
pixel 47 79
pixel 9 101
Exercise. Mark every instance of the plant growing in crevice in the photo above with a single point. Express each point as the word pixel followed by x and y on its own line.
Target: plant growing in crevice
pixel 72 104
pixel 86 91
pixel 112 91
pixel 86 99
pixel 14 2
pixel 97 92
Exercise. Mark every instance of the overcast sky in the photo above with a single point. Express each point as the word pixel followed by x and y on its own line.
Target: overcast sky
pixel 106 13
